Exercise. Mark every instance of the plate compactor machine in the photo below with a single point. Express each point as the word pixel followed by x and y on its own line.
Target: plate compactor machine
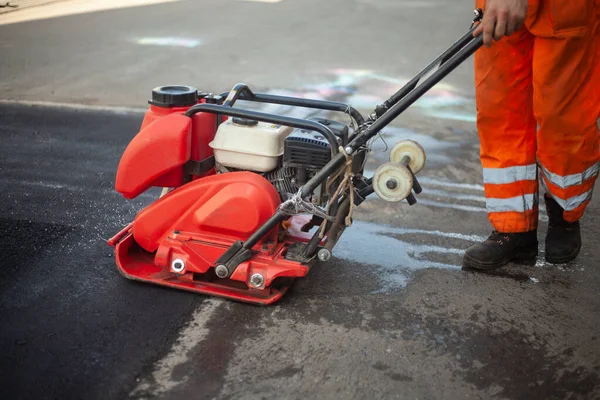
pixel 252 200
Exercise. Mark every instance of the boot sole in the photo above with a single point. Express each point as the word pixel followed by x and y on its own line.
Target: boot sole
pixel 563 259
pixel 524 257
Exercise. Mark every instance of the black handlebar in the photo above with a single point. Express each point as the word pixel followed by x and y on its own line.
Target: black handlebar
pixel 242 92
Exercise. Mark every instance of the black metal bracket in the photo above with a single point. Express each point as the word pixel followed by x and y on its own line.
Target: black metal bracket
pixel 198 167
pixel 478 16
pixel 229 261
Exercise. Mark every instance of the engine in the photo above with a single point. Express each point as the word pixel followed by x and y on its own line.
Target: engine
pixel 286 157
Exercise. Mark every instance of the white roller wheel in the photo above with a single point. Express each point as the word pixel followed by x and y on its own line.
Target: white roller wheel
pixel 411 149
pixel 392 182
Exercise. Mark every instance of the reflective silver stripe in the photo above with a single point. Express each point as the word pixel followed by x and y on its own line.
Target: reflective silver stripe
pixel 564 182
pixel 517 204
pixel 573 202
pixel 499 176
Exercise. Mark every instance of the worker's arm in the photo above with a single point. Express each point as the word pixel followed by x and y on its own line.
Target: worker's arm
pixel 501 18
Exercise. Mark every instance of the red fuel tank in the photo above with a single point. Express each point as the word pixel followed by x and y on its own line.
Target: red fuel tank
pixel 168 100
pixel 178 99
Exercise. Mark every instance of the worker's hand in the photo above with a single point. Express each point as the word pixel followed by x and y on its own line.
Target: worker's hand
pixel 501 18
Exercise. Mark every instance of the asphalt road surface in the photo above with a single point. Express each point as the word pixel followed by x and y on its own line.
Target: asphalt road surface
pixel 390 316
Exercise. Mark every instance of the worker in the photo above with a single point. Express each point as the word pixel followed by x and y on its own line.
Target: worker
pixel 538 102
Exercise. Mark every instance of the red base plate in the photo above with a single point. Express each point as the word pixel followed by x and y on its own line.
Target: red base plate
pixel 137 264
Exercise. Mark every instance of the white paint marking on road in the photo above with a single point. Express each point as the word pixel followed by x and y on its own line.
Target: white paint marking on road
pixel 49 185
pixel 72 7
pixel 263 1
pixel 452 115
pixel 451 235
pixel 457 196
pixel 461 207
pixel 79 107
pixel 169 41
pixel 455 185
pixel 161 380
pixel 439 204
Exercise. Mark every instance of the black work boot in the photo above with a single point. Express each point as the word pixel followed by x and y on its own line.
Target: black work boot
pixel 563 240
pixel 501 248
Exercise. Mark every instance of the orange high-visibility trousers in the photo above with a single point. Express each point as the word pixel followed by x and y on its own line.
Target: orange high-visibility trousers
pixel 538 104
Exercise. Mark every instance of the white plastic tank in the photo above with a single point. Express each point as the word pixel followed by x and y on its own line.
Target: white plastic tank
pixel 249 145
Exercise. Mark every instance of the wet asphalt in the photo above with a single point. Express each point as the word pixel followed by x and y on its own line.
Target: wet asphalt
pixel 392 315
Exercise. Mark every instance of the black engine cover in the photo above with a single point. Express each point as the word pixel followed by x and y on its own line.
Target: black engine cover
pixel 309 149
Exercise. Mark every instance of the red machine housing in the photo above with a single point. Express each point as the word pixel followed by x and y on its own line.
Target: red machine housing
pixel 195 223
pixel 235 219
